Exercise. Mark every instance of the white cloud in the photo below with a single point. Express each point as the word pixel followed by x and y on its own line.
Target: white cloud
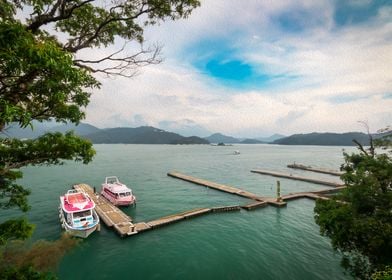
pixel 327 62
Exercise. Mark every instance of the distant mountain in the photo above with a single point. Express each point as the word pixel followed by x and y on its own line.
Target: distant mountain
pixel 15 131
pixel 251 141
pixel 40 128
pixel 152 135
pixel 325 139
pixel 220 138
pixel 80 129
pixel 141 135
pixel 270 139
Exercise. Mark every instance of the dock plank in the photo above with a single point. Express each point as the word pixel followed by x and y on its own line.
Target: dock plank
pixel 216 186
pixel 315 169
pixel 254 205
pixel 109 214
pixel 299 178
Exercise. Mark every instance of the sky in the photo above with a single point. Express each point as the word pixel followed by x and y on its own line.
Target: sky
pixel 255 68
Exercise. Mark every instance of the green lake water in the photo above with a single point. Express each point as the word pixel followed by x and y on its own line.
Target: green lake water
pixel 267 243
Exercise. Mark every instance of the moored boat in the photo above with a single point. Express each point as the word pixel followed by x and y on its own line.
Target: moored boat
pixel 117 192
pixel 77 214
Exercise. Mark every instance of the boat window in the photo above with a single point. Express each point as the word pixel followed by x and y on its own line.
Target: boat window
pixel 82 214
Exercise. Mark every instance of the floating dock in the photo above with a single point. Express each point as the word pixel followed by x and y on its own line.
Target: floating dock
pixel 216 186
pixel 113 217
pixel 258 201
pixel 227 189
pixel 143 226
pixel 299 178
pixel 255 204
pixel 314 169
pixel 109 214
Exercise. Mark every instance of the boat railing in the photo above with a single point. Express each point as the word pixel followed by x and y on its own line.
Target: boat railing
pixel 111 180
pixel 72 191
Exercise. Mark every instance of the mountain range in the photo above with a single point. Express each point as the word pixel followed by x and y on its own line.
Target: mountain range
pixel 152 135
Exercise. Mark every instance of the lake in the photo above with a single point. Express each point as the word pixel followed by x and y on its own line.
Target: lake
pixel 267 243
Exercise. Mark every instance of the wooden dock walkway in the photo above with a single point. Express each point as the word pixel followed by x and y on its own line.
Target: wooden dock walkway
pixel 143 226
pixel 314 169
pixel 225 188
pixel 258 201
pixel 109 214
pixel 299 178
pixel 113 217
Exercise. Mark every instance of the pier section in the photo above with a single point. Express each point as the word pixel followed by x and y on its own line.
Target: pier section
pixel 111 215
pixel 227 189
pixel 114 218
pixel 315 169
pixel 299 178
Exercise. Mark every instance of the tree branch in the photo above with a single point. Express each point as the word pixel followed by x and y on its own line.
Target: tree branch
pixel 371 149
pixel 124 66
pixel 360 147
pixel 49 17
pixel 102 25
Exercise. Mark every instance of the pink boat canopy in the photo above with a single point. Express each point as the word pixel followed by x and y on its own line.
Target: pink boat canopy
pixel 74 202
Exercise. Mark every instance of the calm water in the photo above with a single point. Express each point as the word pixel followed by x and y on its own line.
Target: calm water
pixel 268 243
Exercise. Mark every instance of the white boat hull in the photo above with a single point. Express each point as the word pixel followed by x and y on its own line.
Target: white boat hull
pixel 119 202
pixel 82 233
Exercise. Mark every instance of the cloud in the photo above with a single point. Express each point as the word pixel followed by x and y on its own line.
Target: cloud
pixel 321 75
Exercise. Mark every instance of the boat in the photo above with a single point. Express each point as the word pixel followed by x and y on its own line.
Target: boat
pixel 117 193
pixel 77 214
pixel 236 152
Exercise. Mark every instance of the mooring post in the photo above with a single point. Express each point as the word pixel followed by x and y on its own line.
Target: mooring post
pixel 278 197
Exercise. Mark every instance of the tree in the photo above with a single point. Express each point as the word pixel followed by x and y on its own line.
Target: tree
pixel 44 76
pixel 359 219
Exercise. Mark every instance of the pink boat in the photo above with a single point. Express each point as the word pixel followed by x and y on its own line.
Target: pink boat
pixel 116 192
pixel 77 214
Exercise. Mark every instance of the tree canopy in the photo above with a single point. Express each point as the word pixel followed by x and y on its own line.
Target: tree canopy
pixel 359 219
pixel 44 76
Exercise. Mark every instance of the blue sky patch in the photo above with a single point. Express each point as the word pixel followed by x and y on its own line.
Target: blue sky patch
pixel 234 73
pixel 229 70
pixel 294 21
pixel 219 60
pixel 355 12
